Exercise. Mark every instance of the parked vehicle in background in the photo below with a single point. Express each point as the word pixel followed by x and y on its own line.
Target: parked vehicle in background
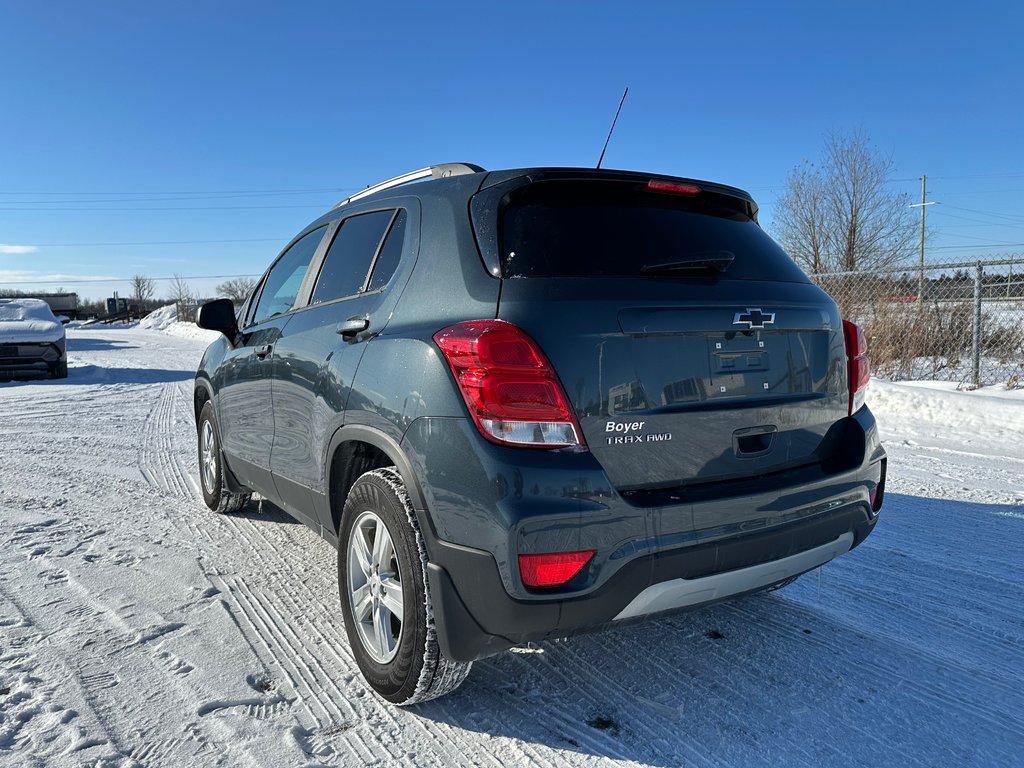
pixel 32 340
pixel 62 303
pixel 530 403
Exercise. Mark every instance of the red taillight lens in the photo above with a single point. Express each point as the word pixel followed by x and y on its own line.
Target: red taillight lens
pixel 509 386
pixel 673 187
pixel 857 363
pixel 553 569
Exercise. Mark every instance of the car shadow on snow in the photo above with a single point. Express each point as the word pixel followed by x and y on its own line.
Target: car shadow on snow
pixel 91 344
pixel 904 651
pixel 94 374
pixel 267 512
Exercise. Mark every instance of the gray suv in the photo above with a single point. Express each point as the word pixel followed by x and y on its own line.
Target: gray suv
pixel 530 403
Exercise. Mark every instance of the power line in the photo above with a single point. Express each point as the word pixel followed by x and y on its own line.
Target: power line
pixel 245 195
pixel 1006 175
pixel 118 279
pixel 1009 224
pixel 974 246
pixel 170 208
pixel 186 192
pixel 160 242
pixel 980 191
pixel 994 214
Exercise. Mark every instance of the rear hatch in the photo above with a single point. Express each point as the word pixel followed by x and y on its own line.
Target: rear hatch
pixel 692 348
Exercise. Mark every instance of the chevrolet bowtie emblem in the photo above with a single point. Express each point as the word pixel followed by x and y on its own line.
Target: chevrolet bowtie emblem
pixel 754 318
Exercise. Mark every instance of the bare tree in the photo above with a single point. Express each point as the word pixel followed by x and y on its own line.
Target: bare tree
pixel 143 289
pixel 181 295
pixel 841 216
pixel 237 289
pixel 800 218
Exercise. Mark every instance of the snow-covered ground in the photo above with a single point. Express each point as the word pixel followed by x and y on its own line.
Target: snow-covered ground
pixel 138 629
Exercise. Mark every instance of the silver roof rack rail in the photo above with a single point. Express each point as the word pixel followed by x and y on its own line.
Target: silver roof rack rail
pixel 442 171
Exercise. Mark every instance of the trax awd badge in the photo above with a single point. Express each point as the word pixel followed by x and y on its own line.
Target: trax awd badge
pixel 624 433
pixel 754 318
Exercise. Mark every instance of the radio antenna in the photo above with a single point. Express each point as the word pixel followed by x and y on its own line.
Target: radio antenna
pixel 612 129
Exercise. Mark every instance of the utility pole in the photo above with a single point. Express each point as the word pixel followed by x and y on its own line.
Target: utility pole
pixel 921 205
pixel 920 278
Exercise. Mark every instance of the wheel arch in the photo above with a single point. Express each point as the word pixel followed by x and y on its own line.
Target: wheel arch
pixel 356 449
pixel 201 393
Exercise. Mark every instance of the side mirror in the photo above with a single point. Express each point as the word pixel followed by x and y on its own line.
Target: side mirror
pixel 218 315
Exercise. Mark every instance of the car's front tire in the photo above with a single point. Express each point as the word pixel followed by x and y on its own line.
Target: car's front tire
pixel 211 468
pixel 385 596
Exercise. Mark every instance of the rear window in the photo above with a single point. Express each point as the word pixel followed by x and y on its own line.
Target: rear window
pixel 621 229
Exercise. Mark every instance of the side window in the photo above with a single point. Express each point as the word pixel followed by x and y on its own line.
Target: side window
pixel 282 284
pixel 350 256
pixel 390 253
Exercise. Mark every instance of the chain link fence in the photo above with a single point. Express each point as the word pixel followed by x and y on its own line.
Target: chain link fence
pixel 961 322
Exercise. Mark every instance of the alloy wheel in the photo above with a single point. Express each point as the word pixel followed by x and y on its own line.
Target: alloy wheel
pixel 375 587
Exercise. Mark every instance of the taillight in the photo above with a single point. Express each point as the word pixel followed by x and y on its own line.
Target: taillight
pixel 673 187
pixel 553 569
pixel 857 363
pixel 509 386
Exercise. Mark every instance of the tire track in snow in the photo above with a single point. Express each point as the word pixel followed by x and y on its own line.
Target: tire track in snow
pixel 278 653
pixel 295 608
pixel 160 456
pixel 315 686
pixel 889 673
pixel 94 681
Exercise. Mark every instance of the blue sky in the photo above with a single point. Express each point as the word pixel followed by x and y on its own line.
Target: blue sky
pixel 127 128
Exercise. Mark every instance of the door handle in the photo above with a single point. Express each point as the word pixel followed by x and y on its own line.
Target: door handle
pixel 352 326
pixel 262 352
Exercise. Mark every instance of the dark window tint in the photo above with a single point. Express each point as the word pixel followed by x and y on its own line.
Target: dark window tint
pixel 584 229
pixel 350 256
pixel 282 284
pixel 390 253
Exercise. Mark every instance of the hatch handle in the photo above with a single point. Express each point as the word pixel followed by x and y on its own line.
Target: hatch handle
pixel 754 441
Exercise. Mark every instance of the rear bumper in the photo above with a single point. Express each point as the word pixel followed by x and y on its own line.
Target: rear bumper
pixel 649 557
pixel 476 617
pixel 27 369
pixel 31 359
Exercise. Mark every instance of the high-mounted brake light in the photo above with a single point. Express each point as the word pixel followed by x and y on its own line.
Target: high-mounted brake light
pixel 857 363
pixel 673 187
pixel 509 386
pixel 553 569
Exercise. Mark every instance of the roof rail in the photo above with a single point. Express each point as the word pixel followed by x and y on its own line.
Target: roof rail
pixel 442 171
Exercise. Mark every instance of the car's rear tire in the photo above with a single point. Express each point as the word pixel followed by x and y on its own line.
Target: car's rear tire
pixel 211 468
pixel 385 596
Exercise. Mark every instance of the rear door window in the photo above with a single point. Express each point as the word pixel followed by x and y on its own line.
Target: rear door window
pixel 347 265
pixel 623 229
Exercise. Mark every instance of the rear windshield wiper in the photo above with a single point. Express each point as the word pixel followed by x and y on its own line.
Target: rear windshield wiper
pixel 705 261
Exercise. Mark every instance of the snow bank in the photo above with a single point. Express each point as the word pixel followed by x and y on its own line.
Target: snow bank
pixel 166 319
pixel 936 410
pixel 191 331
pixel 160 319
